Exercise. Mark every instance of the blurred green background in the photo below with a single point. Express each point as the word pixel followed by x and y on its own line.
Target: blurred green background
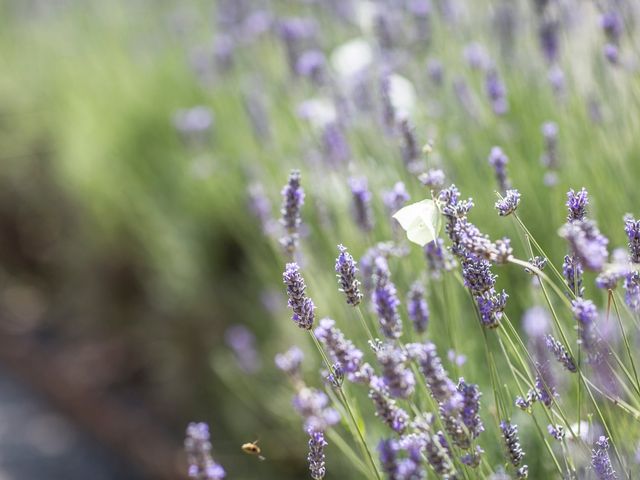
pixel 127 248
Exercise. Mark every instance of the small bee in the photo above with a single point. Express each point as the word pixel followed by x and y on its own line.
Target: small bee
pixel 252 448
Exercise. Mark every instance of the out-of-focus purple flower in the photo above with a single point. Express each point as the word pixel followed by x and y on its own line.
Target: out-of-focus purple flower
pixel 295 32
pixel 455 358
pixel 612 25
pixel 197 446
pixel 395 199
pixel 438 455
pixel 561 354
pixel 556 79
pixel 311 404
pixel 386 300
pixel 546 391
pixel 441 386
pixel 388 453
pixel 361 203
pixel 587 244
pixel 550 156
pixel 302 306
pixel 600 460
pixel 498 160
pixel 340 349
pixel 577 204
pixel 535 321
pixel 240 339
pixel 421 11
pixel 194 123
pixel 497 92
pixel 290 361
pixel 312 64
pixel 335 144
pixel 316 456
pixel 476 57
pixel 632 229
pixel 611 53
pixel 410 149
pixel 433 178
pixel 556 431
pixel 572 272
pixel 439 259
pixel 388 111
pixel 346 269
pixel 470 407
pixel 509 203
pixel 417 307
pixel 223 50
pixel 435 71
pixel 386 409
pixel 511 440
pixel 260 206
pixel 586 313
pixel 473 458
pixel 549 41
pixel 292 201
pixel 396 376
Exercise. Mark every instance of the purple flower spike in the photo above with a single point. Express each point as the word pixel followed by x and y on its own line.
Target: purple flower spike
pixel 577 204
pixel 509 203
pixel 417 308
pixel 302 306
pixel 572 272
pixel 292 201
pixel 632 229
pixel 311 404
pixel 556 431
pixel 497 92
pixel 600 460
pixel 470 407
pixel 395 199
pixel 346 269
pixel 632 291
pixel 386 409
pixel 197 446
pixel 290 361
pixel 386 300
pixel 341 350
pixel 586 313
pixel 511 440
pixel 361 203
pixel 396 376
pixel 439 383
pixel 388 452
pixel 560 353
pixel 316 456
pixel 498 160
pixel 587 243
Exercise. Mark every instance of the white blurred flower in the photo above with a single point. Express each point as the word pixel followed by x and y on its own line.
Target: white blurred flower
pixel 351 58
pixel 402 95
pixel 317 111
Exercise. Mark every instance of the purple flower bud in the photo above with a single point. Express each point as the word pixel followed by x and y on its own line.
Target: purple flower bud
pixel 498 160
pixel 395 199
pixel 470 407
pixel 600 460
pixel 509 203
pixel 632 291
pixel 316 456
pixel 572 272
pixel 417 308
pixel 473 458
pixel 197 446
pixel 410 149
pixel 340 349
pixel 612 25
pixel 242 341
pixel 311 64
pixel 433 178
pixel 556 431
pixel 550 156
pixel 438 258
pixel 586 313
pixel 335 144
pixel 587 243
pixel 611 53
pixel 302 306
pixel 388 452
pixel 361 203
pixel 549 41
pixel 435 71
pixel 476 57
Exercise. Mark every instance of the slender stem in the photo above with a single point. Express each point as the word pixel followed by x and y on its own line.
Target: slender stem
pixel 364 322
pixel 626 339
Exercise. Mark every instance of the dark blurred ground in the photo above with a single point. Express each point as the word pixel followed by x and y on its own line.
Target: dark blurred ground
pixel 37 442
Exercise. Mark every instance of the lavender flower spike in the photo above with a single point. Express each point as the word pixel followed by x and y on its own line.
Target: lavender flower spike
pixel 585 312
pixel 587 243
pixel 470 407
pixel 361 203
pixel 396 376
pixel 498 160
pixel 509 203
pixel 386 409
pixel 560 353
pixel 290 361
pixel 417 308
pixel 340 349
pixel 386 300
pixel 198 449
pixel 510 434
pixel 572 272
pixel 316 454
pixel 497 92
pixel 577 204
pixel 346 269
pixel 292 201
pixel 601 462
pixel 632 229
pixel 302 306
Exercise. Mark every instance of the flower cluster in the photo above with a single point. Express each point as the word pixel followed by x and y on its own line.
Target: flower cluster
pixel 302 306
pixel 198 450
pixel 346 269
pixel 292 201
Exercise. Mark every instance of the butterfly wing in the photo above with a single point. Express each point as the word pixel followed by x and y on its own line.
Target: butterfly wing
pixel 420 220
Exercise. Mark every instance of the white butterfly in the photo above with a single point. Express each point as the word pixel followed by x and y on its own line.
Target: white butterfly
pixel 420 220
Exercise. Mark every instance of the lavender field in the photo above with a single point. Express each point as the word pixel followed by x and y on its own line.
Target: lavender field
pixel 341 239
